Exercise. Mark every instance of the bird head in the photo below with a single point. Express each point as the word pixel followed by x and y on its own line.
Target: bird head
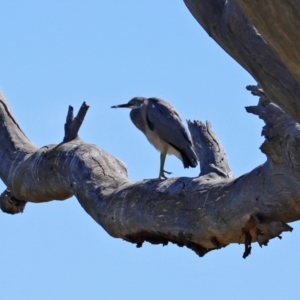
pixel 135 102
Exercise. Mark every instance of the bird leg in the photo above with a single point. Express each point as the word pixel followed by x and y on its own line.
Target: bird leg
pixel 162 163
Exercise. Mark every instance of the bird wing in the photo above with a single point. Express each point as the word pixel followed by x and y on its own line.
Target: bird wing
pixel 163 119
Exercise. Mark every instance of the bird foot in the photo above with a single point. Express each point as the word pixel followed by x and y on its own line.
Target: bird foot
pixel 164 171
pixel 162 174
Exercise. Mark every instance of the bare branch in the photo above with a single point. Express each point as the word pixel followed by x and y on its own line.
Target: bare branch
pixel 210 152
pixel 279 24
pixel 204 213
pixel 226 24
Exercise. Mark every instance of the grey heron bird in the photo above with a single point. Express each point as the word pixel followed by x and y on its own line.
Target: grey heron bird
pixel 164 129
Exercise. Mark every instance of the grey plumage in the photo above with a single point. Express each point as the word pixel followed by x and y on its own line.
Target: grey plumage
pixel 164 129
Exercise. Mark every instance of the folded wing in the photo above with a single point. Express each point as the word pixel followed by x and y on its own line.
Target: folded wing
pixel 163 119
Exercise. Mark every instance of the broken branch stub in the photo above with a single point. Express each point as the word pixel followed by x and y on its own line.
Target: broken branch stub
pixel 210 152
pixel 72 124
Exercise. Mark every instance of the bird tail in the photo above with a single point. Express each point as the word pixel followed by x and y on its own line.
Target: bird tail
pixel 189 158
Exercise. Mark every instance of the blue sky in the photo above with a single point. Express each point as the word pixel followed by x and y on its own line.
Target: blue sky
pixel 59 53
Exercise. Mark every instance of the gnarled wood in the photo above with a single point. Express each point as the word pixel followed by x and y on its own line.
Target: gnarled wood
pixel 279 24
pixel 226 24
pixel 211 155
pixel 204 213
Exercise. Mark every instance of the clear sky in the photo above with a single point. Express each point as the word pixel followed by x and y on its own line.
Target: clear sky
pixel 59 53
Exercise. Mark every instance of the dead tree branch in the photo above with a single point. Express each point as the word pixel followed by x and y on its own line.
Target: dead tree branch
pixel 279 35
pixel 226 24
pixel 204 213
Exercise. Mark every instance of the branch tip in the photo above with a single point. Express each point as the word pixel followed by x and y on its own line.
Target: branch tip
pixel 248 247
pixel 256 90
pixel 70 114
pixel 9 204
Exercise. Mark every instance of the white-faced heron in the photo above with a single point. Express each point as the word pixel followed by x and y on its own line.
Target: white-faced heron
pixel 164 129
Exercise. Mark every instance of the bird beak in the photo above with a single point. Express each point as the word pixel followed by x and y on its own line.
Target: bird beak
pixel 121 105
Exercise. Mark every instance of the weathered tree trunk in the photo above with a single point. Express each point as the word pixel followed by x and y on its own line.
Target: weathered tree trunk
pixel 225 22
pixel 203 213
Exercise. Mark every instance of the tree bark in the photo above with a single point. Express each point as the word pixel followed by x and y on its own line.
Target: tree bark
pixel 203 213
pixel 281 35
pixel 225 22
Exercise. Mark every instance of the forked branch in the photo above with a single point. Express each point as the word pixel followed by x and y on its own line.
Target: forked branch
pixel 72 125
